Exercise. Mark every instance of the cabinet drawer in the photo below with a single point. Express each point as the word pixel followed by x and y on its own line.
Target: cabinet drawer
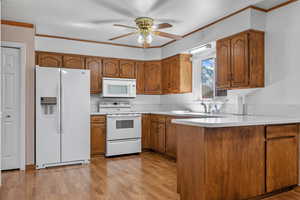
pixel 98 119
pixel 280 131
pixel 158 118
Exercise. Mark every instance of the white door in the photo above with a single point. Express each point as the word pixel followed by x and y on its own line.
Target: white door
pixel 47 117
pixel 10 141
pixel 75 114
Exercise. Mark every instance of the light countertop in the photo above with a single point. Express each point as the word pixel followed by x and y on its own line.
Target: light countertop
pixel 235 120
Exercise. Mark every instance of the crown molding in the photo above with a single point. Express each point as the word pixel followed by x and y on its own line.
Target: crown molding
pixel 281 5
pixel 14 23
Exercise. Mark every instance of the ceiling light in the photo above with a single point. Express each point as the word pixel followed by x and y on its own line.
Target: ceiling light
pixel 149 39
pixel 141 39
pixel 200 49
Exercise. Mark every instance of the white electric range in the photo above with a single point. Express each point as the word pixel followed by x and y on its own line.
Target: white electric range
pixel 123 128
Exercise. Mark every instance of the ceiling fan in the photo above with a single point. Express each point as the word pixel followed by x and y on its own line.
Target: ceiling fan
pixel 146 29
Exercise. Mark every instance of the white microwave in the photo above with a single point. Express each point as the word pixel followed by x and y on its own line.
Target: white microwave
pixel 119 87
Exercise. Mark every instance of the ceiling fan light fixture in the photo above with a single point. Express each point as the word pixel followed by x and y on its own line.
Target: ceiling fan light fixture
pixel 149 38
pixel 141 39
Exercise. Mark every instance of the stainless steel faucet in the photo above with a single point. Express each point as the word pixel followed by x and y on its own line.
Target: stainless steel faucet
pixel 205 107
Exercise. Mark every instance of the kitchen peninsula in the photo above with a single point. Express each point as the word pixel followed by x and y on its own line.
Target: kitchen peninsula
pixel 237 157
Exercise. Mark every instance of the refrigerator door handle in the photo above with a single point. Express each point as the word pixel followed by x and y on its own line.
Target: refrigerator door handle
pixel 58 109
pixel 61 108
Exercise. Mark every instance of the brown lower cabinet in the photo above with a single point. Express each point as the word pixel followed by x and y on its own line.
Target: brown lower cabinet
pixel 158 133
pixel 282 156
pixel 171 141
pixel 98 135
pixel 146 137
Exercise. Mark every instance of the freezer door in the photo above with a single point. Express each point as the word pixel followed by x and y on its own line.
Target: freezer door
pixel 47 116
pixel 75 114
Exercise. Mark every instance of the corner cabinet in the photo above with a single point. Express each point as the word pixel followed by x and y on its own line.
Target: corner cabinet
pixel 152 77
pixel 177 74
pixel 240 61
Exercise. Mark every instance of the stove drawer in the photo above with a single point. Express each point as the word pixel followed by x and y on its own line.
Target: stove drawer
pixel 121 147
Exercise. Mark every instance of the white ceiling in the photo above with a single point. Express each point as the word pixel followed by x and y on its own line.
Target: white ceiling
pixel 76 18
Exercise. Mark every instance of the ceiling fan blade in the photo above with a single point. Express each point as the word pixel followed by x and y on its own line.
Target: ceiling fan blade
pixel 146 45
pixel 125 26
pixel 167 35
pixel 162 26
pixel 125 35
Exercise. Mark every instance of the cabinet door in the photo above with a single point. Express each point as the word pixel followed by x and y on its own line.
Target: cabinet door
pixel 73 62
pixel 154 136
pixel 49 59
pixel 161 143
pixel 111 68
pixel 239 61
pixel 127 69
pixel 223 64
pixel 98 133
pixel 139 66
pixel 152 75
pixel 146 134
pixel 174 75
pixel 282 157
pixel 95 66
pixel 166 76
pixel 171 142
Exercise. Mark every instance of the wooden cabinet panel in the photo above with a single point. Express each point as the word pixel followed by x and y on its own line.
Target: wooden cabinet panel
pixel 175 79
pixel 146 134
pixel 239 61
pixel 177 74
pixel 127 69
pixel 282 157
pixel 171 140
pixel 98 134
pixel 235 158
pixel 223 64
pixel 158 133
pixel 94 64
pixel 111 68
pixel 48 59
pixel 152 75
pixel 166 66
pixel 73 61
pixel 139 68
pixel 257 58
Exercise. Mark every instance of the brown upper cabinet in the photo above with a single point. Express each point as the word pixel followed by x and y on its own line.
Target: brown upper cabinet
pixel 111 68
pixel 94 64
pixel 45 59
pixel 73 61
pixel 153 76
pixel 139 69
pixel 127 69
pixel 240 61
pixel 177 74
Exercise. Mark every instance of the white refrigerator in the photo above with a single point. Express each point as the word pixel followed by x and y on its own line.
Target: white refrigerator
pixel 62 116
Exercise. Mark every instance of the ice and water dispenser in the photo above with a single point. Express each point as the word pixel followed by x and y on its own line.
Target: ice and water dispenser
pixel 48 105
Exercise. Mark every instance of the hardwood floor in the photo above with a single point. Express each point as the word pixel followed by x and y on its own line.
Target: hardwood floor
pixel 146 177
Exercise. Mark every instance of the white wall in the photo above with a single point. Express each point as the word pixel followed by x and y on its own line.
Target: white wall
pixel 281 94
pixel 87 48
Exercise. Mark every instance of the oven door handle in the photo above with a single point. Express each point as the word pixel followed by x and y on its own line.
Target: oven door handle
pixel 128 116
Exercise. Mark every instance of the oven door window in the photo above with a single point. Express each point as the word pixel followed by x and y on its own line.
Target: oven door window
pixel 118 89
pixel 124 124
